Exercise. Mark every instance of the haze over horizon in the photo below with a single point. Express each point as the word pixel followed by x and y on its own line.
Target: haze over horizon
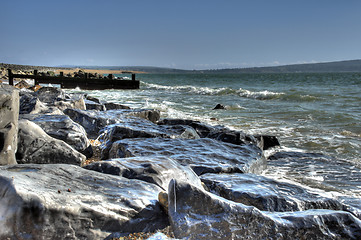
pixel 185 34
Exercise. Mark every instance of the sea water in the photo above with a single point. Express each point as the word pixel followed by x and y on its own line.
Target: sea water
pixel 308 112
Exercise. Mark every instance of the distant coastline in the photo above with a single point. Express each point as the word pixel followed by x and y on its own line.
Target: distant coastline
pixel 337 66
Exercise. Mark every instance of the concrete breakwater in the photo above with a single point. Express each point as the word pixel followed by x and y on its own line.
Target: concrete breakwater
pixel 210 176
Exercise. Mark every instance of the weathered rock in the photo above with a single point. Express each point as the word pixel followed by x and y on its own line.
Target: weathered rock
pixel 224 134
pixel 35 146
pixel 9 114
pixel 267 194
pixel 30 104
pixel 68 202
pixel 112 106
pixel 93 121
pixel 219 106
pixel 196 214
pixel 50 95
pixel 94 106
pixel 63 128
pixel 157 170
pixel 203 155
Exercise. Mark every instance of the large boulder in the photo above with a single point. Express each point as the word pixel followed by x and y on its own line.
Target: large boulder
pixel 63 128
pixel 267 194
pixel 197 214
pixel 60 201
pixel 30 104
pixel 203 155
pixel 93 121
pixel 224 134
pixel 9 114
pixel 35 146
pixel 157 170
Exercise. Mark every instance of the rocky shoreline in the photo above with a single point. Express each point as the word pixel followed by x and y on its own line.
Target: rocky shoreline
pixel 150 174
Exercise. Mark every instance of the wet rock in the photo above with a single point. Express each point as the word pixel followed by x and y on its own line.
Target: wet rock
pixel 92 99
pixel 93 121
pixel 50 95
pixel 202 155
pixel 112 106
pixel 35 146
pixel 30 104
pixel 196 214
pixel 132 127
pixel 219 106
pixel 157 170
pixel 267 194
pixel 63 128
pixel 94 106
pixel 9 114
pixel 266 141
pixel 64 201
pixel 224 134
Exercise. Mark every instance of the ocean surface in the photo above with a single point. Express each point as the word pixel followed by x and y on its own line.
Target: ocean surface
pixel 310 113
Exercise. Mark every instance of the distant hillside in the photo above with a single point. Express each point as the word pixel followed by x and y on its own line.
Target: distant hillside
pixel 341 66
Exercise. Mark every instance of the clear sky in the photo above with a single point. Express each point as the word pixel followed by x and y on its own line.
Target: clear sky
pixel 196 34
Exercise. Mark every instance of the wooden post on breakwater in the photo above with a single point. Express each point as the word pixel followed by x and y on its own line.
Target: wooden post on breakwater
pixel 84 82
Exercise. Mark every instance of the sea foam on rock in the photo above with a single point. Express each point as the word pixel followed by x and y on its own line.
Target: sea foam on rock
pixel 9 114
pixel 58 201
pixel 197 214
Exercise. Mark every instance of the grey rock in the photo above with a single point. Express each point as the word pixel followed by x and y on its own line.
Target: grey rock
pixel 35 146
pixel 203 155
pixel 197 214
pixel 30 104
pixel 94 106
pixel 93 121
pixel 50 95
pixel 112 106
pixel 157 170
pixel 9 114
pixel 267 194
pixel 60 201
pixel 63 128
pixel 224 134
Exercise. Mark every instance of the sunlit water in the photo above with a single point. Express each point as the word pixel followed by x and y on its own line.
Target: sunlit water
pixel 319 113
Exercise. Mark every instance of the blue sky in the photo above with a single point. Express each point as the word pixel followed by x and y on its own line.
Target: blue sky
pixel 195 34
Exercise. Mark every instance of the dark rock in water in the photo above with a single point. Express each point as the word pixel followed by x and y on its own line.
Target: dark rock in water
pixel 94 106
pixel 196 214
pixel 224 134
pixel 68 202
pixel 35 146
pixel 157 170
pixel 112 106
pixel 93 99
pixel 219 106
pixel 93 121
pixel 203 155
pixel 63 128
pixel 9 114
pixel 267 194
pixel 266 141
